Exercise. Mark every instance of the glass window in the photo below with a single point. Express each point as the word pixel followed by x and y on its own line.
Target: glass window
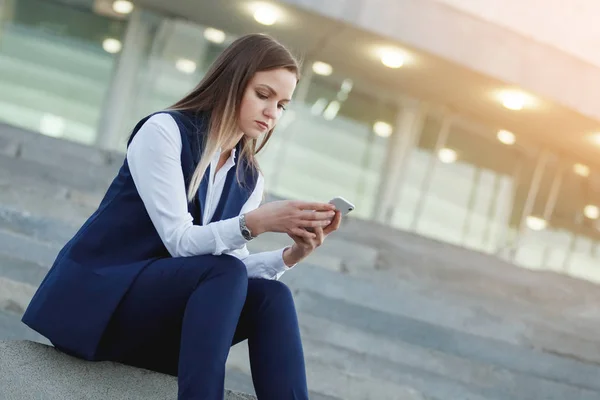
pixel 569 199
pixel 54 72
pixel 461 186
pixel 173 64
pixel 325 144
pixel 328 146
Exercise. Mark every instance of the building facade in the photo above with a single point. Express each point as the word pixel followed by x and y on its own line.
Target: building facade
pixel 470 122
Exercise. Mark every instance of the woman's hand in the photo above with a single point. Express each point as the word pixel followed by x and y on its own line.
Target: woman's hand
pixel 291 217
pixel 304 246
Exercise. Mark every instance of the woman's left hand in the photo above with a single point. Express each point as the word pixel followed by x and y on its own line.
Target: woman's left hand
pixel 303 247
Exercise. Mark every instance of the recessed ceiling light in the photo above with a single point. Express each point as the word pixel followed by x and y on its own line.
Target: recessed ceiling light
pixel 594 138
pixel 111 45
pixel 122 6
pixel 514 99
pixel 447 156
pixel 214 35
pixel 321 68
pixel 186 66
pixel 581 170
pixel 392 58
pixel 536 223
pixel 383 129
pixel 506 137
pixel 591 211
pixel 266 14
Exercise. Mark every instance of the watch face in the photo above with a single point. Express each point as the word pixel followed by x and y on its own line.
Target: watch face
pixel 246 234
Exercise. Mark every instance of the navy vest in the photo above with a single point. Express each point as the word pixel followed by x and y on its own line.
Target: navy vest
pixel 78 296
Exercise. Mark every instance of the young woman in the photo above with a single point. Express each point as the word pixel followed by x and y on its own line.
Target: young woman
pixel 159 277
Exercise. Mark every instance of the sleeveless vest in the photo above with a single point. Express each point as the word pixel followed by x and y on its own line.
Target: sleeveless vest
pixel 93 271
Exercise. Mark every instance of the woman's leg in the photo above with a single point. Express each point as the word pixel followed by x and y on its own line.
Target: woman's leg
pixel 179 317
pixel 270 324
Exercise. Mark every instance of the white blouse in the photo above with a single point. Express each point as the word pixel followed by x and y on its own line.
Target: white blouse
pixel 154 158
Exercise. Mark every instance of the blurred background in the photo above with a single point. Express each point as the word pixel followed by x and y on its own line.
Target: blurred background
pixel 465 132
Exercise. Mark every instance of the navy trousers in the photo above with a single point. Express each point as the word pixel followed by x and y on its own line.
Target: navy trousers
pixel 182 315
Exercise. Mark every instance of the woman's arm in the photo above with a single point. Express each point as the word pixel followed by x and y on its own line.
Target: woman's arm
pixel 154 158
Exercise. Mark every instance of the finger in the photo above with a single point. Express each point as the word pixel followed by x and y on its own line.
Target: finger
pixel 316 215
pixel 313 224
pixel 303 233
pixel 320 235
pixel 305 205
pixel 335 224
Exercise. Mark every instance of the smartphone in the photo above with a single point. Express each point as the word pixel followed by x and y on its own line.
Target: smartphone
pixel 342 205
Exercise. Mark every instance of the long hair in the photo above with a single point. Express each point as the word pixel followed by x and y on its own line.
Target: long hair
pixel 220 94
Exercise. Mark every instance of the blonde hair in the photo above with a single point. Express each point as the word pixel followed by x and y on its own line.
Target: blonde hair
pixel 220 93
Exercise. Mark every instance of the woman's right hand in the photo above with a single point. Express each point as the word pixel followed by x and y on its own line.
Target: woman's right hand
pixel 291 217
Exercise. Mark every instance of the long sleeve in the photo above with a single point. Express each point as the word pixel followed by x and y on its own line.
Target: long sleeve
pixel 154 158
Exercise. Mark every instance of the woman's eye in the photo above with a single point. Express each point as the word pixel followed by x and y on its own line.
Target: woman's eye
pixel 261 96
pixel 282 107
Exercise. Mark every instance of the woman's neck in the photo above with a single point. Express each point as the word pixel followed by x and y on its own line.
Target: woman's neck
pixel 231 144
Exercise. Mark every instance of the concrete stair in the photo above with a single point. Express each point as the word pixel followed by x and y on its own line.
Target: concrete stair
pixel 31 371
pixel 384 314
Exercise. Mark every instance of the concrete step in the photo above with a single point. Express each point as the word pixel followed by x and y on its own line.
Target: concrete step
pixel 27 248
pixel 17 172
pixel 373 352
pixel 402 329
pixel 31 371
pixel 39 227
pixel 48 151
pixel 11 328
pixel 237 380
pixel 336 254
pixel 487 319
pixel 328 380
pixel 68 206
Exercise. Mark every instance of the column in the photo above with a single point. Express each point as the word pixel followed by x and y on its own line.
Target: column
pixel 409 123
pixel 121 92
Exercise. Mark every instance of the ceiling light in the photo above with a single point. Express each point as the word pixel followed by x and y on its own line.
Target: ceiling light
pixel 186 66
pixel 514 100
pixel 591 211
pixel 214 35
pixel 594 138
pixel 347 85
pixel 122 6
pixel 581 170
pixel 111 45
pixel 321 68
pixel 506 137
pixel 266 14
pixel 392 58
pixel 447 156
pixel 383 129
pixel 52 125
pixel 536 223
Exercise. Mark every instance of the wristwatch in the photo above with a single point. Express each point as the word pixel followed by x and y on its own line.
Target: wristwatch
pixel 246 233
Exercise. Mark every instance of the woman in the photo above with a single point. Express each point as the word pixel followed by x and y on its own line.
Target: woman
pixel 159 277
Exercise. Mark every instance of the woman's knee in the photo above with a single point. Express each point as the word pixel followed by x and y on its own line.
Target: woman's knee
pixel 271 291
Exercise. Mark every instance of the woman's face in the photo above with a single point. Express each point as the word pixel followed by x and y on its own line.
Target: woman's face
pixel 267 95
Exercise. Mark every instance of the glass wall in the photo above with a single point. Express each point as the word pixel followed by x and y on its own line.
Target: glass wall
pixel 459 183
pixel 54 71
pixel 324 146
